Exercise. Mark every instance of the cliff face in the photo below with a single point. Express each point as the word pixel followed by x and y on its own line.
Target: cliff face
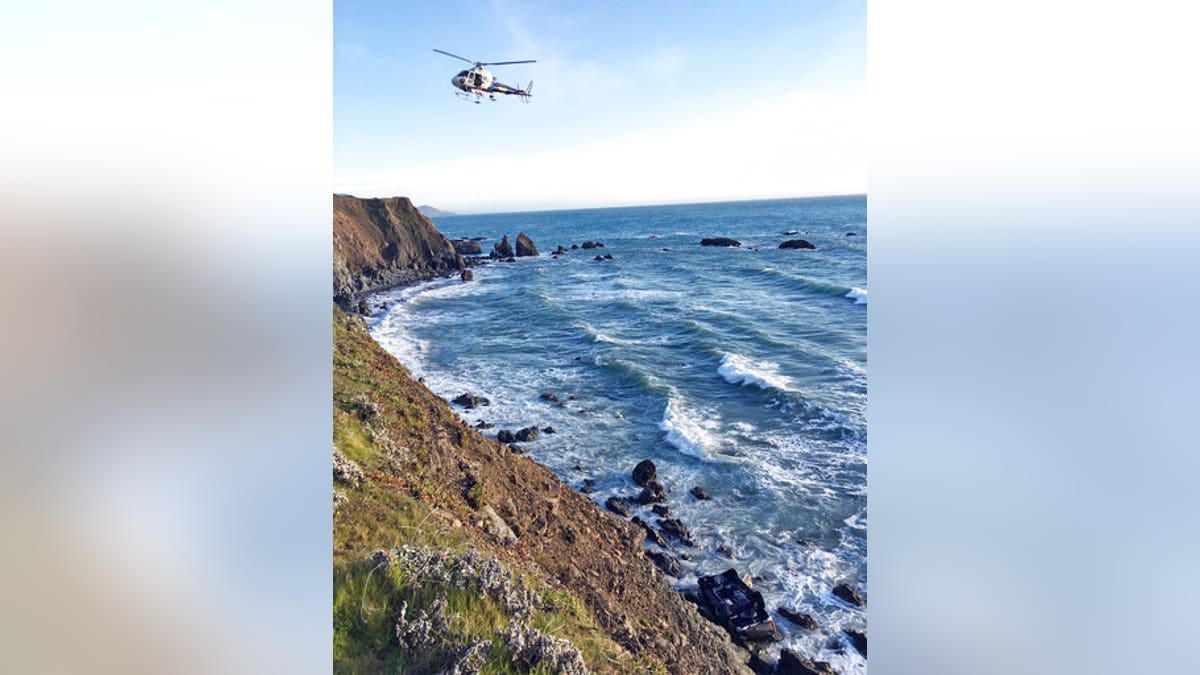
pixel 379 243
pixel 422 476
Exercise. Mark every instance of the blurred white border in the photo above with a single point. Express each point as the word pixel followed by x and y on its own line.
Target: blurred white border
pixel 165 188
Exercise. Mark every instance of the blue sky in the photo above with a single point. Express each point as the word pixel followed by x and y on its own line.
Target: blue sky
pixel 633 103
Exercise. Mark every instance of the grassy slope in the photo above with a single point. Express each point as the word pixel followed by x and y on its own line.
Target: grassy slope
pixel 400 442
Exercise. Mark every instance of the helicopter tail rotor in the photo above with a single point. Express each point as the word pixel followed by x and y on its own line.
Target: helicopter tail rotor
pixel 525 95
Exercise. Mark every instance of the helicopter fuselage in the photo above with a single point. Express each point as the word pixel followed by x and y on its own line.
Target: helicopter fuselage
pixel 476 79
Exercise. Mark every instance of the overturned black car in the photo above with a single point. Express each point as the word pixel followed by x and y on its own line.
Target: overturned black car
pixel 737 607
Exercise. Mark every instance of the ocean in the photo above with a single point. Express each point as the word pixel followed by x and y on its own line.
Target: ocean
pixel 740 370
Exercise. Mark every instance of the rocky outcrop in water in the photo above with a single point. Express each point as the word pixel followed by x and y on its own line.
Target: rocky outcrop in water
pixel 797 243
pixel 849 594
pixel 525 246
pixel 791 663
pixel 380 243
pixel 503 249
pixel 801 619
pixel 644 473
pixel 466 247
pixel 719 241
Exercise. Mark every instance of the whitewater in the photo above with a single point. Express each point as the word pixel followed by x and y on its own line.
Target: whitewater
pixel 740 370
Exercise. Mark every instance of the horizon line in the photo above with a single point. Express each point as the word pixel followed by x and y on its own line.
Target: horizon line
pixel 622 206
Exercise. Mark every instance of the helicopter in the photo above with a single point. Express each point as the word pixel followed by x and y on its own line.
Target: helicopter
pixel 477 81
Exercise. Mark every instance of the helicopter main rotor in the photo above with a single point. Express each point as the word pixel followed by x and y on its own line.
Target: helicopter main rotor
pixel 481 63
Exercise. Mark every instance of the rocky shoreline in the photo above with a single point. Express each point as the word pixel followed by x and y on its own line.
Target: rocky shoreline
pixel 597 553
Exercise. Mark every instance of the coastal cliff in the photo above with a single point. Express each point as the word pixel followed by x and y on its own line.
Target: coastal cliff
pixel 380 243
pixel 451 552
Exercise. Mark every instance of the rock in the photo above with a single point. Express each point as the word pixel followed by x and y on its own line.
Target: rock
pixel 465 247
pixel 560 249
pixel 516 449
pixel 527 434
pixel 661 510
pixel 653 493
pixel 675 528
pixel 549 430
pixel 574 246
pixel 725 550
pixel 848 594
pixel 700 493
pixel 791 663
pixel 467 275
pixel 547 396
pixel 801 619
pixel 363 308
pixel 592 244
pixel 484 425
pixel 719 241
pixel 665 250
pixel 346 470
pixel 470 401
pixel 851 234
pixel 652 534
pixel 791 232
pixel 644 473
pixel 608 256
pixel 589 486
pixel 599 258
pixel 510 259
pixel 494 525
pixel 502 249
pixel 525 246
pixel 797 243
pixel 664 562
pixel 858 640
pixel 618 506
pixel 505 436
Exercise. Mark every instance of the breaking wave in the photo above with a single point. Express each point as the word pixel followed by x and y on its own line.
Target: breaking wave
pixel 764 375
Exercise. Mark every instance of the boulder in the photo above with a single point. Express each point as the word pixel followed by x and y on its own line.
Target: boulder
pixel 652 534
pixel 505 436
pixel 525 246
pixel 797 243
pixel 791 663
pixel 466 247
pixel 661 510
pixel 592 244
pixel 494 525
pixel 467 275
pixel 719 241
pixel 503 249
pixel 668 564
pixel 484 425
pixel 675 528
pixel 470 401
pixel 790 233
pixel 858 640
pixel 589 486
pixel 654 493
pixel 574 246
pixel 618 506
pixel 700 493
pixel 549 430
pixel 801 619
pixel 560 249
pixel 598 258
pixel 644 473
pixel 516 449
pixel 848 594
pixel 546 396
pixel 851 234
pixel 363 308
pixel 527 434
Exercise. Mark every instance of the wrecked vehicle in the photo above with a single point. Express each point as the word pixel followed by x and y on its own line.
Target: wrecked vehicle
pixel 739 608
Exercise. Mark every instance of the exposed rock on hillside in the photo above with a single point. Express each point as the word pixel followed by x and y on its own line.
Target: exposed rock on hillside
pixel 379 243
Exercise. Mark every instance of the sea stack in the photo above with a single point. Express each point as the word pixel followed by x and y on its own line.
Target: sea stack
pixel 525 246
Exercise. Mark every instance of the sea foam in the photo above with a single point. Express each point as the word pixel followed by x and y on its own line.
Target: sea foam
pixel 859 295
pixel 764 375
pixel 685 429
